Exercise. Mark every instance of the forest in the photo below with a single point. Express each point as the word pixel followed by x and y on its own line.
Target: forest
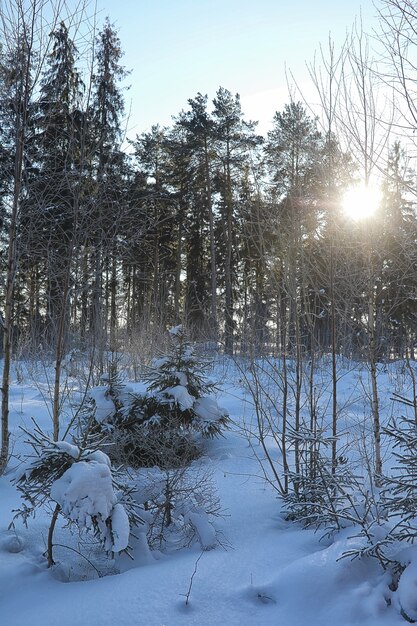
pixel 241 237
pixel 243 244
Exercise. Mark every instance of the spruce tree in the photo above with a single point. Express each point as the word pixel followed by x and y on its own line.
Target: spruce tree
pixel 52 206
pixel 178 385
pixel 162 426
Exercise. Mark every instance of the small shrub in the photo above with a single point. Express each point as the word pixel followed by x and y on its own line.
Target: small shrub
pixel 181 506
pixel 80 482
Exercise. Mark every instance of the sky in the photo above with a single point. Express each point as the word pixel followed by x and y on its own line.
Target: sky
pixel 177 48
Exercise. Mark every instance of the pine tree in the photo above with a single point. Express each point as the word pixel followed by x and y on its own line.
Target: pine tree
pixel 233 139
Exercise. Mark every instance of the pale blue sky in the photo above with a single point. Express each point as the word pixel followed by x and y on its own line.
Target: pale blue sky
pixel 176 48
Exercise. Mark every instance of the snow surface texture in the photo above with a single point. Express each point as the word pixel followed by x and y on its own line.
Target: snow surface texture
pixel 273 574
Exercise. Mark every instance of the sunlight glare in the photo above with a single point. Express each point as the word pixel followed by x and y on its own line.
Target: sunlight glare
pixel 361 201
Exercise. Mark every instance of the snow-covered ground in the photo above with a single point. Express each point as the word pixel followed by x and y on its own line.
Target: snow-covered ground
pixel 266 571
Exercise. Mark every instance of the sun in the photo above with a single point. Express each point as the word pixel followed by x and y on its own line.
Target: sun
pixel 361 201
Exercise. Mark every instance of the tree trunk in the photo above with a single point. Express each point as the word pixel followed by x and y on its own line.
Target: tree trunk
pixel 10 277
pixel 228 262
pixel 213 264
pixel 374 385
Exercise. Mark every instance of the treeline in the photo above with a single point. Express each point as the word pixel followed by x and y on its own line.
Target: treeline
pixel 241 237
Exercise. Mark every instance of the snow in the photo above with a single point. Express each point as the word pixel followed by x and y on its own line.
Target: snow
pixel 68 448
pixel 103 404
pixel 160 362
pixel 120 528
pixel 181 377
pixel 205 531
pixel 175 331
pixel 266 571
pixel 85 494
pixel 98 456
pixel 207 409
pixel 181 396
pixel 85 490
pixel 407 587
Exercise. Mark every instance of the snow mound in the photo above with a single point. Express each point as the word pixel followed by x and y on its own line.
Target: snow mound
pixel 84 491
pixel 204 529
pixel 12 544
pixel 104 406
pixel 181 396
pixel 208 410
pixel 120 528
pixel 407 590
pixel 85 495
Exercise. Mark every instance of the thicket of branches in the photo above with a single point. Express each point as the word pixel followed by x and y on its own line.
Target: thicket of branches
pixel 240 236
